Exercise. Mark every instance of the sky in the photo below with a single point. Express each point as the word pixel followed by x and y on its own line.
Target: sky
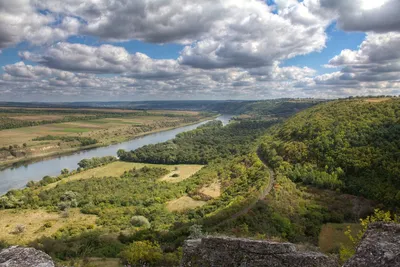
pixel 130 50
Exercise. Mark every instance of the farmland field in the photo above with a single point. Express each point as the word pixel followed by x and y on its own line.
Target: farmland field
pixel 30 132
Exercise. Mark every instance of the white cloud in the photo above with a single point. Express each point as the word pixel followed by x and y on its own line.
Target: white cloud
pixel 20 21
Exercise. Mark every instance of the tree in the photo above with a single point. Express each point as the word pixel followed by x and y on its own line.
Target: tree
pixel 64 171
pixel 142 253
pixel 378 216
pixel 140 221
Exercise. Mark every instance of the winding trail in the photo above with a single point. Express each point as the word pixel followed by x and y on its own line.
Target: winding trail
pixel 262 195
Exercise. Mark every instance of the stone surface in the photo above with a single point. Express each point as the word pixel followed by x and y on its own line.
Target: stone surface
pixel 24 257
pixel 379 247
pixel 224 251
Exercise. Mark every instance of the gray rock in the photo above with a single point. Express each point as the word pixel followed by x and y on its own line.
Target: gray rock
pixel 225 251
pixel 379 247
pixel 24 257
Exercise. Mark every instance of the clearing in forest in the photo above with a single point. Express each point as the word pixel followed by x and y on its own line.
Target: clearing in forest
pixel 116 169
pixel 37 223
pixel 181 172
pixel 213 190
pixel 377 100
pixel 184 203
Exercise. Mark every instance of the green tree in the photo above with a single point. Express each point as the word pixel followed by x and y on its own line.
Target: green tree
pixel 142 253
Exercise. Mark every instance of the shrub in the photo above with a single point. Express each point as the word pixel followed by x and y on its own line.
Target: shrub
pixel 175 175
pixel 142 253
pixel 48 225
pixel 19 229
pixel 140 221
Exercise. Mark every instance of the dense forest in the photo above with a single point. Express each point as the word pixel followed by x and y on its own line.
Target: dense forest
pixel 352 145
pixel 206 143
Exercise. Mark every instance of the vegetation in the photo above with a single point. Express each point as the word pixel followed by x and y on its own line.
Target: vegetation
pixel 208 142
pixel 84 141
pixel 350 145
pixel 379 216
pixel 282 180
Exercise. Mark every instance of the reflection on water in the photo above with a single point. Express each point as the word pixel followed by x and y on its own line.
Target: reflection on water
pixel 17 177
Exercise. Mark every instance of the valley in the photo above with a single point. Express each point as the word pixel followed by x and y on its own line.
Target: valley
pixel 262 176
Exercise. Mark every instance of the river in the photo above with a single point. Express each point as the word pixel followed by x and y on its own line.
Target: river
pixel 17 177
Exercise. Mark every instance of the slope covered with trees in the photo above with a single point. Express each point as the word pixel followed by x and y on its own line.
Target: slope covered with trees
pixel 352 145
pixel 207 143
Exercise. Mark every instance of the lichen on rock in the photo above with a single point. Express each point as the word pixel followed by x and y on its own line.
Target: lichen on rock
pixel 24 257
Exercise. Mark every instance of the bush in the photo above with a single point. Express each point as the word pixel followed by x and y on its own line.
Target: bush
pixel 140 221
pixel 175 175
pixel 142 253
pixel 19 229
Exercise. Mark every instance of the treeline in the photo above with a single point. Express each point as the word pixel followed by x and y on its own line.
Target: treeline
pixel 84 141
pixel 9 120
pixel 352 145
pixel 96 162
pixel 209 142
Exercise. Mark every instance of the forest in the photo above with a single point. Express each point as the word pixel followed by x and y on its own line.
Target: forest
pixel 350 145
pixel 208 142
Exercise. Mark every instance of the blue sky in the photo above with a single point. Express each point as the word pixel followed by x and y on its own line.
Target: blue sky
pixel 210 49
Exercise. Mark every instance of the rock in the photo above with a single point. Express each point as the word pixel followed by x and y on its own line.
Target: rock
pixel 24 257
pixel 225 251
pixel 379 247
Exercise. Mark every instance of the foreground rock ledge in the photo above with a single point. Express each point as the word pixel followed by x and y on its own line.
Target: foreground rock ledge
pixel 379 247
pixel 225 251
pixel 24 257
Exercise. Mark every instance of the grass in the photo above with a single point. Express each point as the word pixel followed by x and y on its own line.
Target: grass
pixel 332 236
pixel 34 221
pixel 98 262
pixel 184 172
pixel 213 190
pixel 377 100
pixel 117 168
pixel 37 117
pixel 184 203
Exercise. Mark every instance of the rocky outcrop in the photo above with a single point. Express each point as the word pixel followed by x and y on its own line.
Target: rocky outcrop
pixel 379 247
pixel 24 257
pixel 224 251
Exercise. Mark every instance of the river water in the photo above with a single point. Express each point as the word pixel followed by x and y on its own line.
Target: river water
pixel 17 177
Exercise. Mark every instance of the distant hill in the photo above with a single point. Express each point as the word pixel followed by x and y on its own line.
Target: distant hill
pixel 284 106
pixel 352 145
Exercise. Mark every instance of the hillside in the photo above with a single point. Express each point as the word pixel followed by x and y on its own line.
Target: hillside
pixel 351 145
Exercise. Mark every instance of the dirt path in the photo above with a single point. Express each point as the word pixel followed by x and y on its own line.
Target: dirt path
pixel 262 195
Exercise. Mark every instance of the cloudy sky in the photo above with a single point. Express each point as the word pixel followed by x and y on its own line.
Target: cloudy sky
pixel 75 50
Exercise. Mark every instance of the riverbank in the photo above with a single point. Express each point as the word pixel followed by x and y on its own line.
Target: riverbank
pixel 68 151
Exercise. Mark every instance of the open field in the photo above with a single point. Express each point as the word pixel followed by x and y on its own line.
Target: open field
pixel 117 168
pixel 92 127
pixel 34 222
pixel 20 129
pixel 213 190
pixel 377 100
pixel 158 111
pixel 37 117
pixel 184 203
pixel 332 236
pixel 184 172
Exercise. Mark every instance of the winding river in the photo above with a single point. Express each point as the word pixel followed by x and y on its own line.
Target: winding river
pixel 17 177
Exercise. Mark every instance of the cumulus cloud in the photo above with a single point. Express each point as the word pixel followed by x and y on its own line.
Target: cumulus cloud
pixel 104 59
pixel 232 48
pixel 365 15
pixel 374 68
pixel 20 21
